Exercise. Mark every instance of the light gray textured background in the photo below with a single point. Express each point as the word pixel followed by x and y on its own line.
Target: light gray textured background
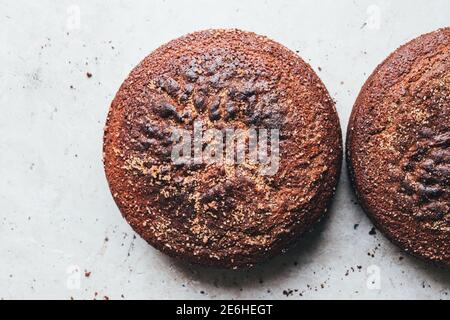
pixel 57 217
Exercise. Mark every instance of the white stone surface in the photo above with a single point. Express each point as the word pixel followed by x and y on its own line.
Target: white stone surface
pixel 56 212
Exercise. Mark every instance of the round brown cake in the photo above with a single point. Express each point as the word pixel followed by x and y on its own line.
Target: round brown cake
pixel 222 213
pixel 398 146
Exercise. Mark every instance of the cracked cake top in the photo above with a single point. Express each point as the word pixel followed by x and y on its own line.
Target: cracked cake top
pixel 399 146
pixel 224 214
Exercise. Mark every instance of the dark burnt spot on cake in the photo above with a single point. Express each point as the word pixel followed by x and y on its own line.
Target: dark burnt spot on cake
pixel 426 183
pixel 231 110
pixel 169 85
pixel 165 110
pixel 199 101
pixel 214 111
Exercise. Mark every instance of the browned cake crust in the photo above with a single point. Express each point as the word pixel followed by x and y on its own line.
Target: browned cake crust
pixel 398 146
pixel 220 214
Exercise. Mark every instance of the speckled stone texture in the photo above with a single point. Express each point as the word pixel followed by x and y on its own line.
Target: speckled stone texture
pixel 223 215
pixel 399 146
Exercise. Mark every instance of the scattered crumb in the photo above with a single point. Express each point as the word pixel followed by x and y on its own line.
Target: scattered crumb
pixel 288 292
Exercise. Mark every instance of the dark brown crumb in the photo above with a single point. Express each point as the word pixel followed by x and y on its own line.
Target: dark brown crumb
pixel 288 292
pixel 88 74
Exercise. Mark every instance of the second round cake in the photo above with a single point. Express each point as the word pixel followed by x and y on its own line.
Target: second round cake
pixel 398 146
pixel 236 211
